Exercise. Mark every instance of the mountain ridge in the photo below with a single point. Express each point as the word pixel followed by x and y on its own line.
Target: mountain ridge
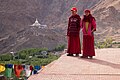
pixel 17 16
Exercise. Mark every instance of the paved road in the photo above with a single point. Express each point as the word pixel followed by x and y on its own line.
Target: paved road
pixel 105 66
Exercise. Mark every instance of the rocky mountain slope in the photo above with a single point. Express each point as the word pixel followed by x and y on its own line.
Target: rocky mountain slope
pixel 107 13
pixel 16 16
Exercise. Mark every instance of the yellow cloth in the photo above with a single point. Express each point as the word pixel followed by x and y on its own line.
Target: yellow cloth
pixel 43 67
pixel 2 68
pixel 87 25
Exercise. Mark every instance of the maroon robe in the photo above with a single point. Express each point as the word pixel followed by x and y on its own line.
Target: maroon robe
pixel 73 35
pixel 88 36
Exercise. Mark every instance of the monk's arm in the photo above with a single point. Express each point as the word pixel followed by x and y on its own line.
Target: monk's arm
pixel 79 23
pixel 68 27
pixel 94 25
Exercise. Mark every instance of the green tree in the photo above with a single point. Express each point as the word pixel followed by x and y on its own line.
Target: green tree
pixel 60 47
pixel 6 57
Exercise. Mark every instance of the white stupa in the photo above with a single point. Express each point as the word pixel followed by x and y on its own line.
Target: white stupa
pixel 37 24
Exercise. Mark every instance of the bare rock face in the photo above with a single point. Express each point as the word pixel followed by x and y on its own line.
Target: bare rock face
pixel 107 15
pixel 16 16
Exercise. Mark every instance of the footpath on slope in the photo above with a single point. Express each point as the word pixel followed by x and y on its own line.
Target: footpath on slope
pixel 105 66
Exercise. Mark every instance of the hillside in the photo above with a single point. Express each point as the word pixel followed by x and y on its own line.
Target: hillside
pixel 16 16
pixel 107 13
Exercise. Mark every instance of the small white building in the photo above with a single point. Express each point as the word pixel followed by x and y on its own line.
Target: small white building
pixel 37 24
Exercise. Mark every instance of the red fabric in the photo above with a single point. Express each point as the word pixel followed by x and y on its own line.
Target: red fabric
pixel 74 25
pixel 74 45
pixel 31 68
pixel 73 9
pixel 18 69
pixel 88 45
pixel 87 10
pixel 92 24
pixel 88 18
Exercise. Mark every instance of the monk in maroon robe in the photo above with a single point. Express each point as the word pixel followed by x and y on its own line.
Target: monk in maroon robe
pixel 88 26
pixel 73 33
